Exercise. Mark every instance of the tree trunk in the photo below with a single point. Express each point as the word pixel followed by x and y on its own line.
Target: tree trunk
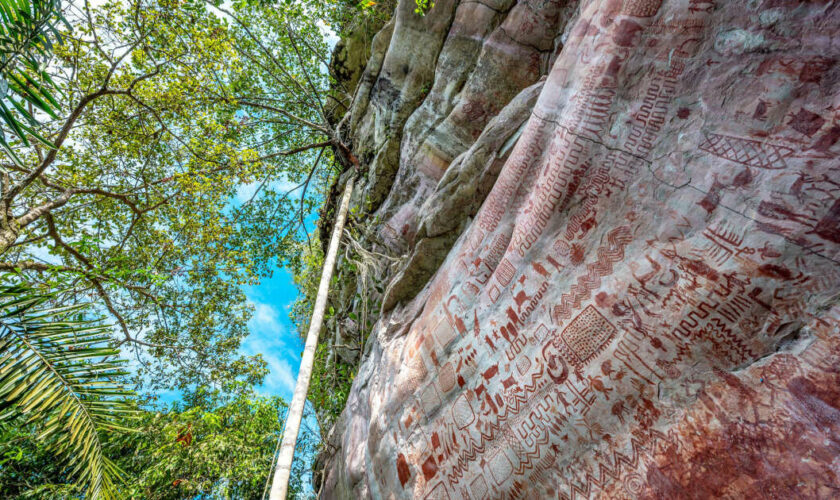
pixel 280 483
pixel 9 228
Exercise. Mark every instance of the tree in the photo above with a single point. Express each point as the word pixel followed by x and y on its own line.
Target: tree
pixel 221 450
pixel 173 107
pixel 280 483
pixel 133 196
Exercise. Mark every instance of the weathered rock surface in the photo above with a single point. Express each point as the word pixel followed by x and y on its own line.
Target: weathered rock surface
pixel 622 229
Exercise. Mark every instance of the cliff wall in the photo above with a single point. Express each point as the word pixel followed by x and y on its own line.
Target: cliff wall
pixel 610 237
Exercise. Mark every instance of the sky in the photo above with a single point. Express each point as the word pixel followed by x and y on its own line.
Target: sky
pixel 271 331
pixel 273 334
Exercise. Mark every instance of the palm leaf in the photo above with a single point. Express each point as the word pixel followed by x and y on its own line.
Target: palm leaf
pixel 60 373
pixel 28 32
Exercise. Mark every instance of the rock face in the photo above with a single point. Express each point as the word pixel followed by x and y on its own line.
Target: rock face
pixel 621 222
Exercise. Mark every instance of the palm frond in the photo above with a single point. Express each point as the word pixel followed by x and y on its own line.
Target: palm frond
pixel 28 31
pixel 58 371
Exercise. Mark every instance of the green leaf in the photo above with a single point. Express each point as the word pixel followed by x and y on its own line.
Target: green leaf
pixel 10 120
pixel 62 375
pixel 28 34
pixel 28 93
pixel 9 151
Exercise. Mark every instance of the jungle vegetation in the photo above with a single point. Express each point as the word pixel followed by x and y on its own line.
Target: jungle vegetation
pixel 127 128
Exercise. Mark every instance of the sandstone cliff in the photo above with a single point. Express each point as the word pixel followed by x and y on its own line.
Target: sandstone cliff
pixel 610 237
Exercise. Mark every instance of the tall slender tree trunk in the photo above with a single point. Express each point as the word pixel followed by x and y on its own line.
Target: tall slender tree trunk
pixel 280 483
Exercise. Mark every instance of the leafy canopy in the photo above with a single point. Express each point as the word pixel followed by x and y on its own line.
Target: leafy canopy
pixel 159 156
pixel 162 155
pixel 192 148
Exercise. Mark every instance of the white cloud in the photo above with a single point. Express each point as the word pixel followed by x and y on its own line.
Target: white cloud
pixel 279 356
pixel 279 347
pixel 266 319
pixel 280 380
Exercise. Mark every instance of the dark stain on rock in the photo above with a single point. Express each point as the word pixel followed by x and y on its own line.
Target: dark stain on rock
pixel 429 468
pixel 775 271
pixel 403 471
pixel 806 122
pixel 827 139
pixel 828 228
pixel 625 33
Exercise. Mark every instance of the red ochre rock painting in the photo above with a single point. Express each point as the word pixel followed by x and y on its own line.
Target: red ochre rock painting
pixel 645 304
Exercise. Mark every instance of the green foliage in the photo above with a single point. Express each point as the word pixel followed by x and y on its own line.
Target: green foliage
pixel 219 451
pixel 58 372
pixel 222 450
pixel 191 152
pixel 330 382
pixel 348 16
pixel 190 147
pixel 332 376
pixel 330 385
pixel 306 272
pixel 28 30
pixel 423 6
pixel 29 470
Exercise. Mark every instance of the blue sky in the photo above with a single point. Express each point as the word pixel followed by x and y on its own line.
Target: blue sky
pixel 271 331
pixel 273 334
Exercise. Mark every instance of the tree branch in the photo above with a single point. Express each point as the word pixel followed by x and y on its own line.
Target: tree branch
pixel 329 133
pixel 293 151
pixel 62 136
pixel 315 92
pixel 31 265
pixel 303 197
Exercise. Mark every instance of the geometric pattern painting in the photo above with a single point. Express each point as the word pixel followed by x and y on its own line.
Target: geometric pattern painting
pixel 586 336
